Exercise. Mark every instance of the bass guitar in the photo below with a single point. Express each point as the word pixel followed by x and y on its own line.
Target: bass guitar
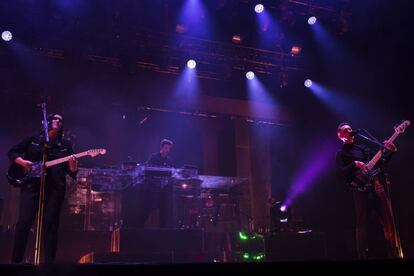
pixel 18 176
pixel 364 178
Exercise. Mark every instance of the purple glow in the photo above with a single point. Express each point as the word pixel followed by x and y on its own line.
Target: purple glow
pixel 66 3
pixel 341 104
pixel 318 160
pixel 338 102
pixel 72 6
pixel 193 16
pixel 331 50
pixel 257 92
pixel 257 95
pixel 187 86
pixel 268 29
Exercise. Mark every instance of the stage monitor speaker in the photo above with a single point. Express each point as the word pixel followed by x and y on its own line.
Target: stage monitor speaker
pixel 138 240
pixel 142 258
pixel 75 244
pixel 281 246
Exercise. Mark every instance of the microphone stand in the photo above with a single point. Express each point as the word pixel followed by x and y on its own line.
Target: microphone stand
pixel 40 211
pixel 371 139
pixel 397 239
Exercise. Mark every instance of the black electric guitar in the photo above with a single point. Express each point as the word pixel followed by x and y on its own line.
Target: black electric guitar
pixel 18 176
pixel 363 181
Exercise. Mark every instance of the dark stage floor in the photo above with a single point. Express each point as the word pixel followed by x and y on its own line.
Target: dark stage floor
pixel 396 267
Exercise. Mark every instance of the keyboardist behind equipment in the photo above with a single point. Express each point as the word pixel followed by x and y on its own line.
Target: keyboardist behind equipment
pixel 157 194
pixel 161 158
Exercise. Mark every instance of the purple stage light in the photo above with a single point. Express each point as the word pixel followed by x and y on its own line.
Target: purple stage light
pixel 295 50
pixel 191 64
pixel 312 20
pixel 194 18
pixel 6 35
pixel 237 39
pixel 259 8
pixel 250 75
pixel 308 83
pixel 312 169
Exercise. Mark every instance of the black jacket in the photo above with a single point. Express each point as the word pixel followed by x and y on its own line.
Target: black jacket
pixel 345 157
pixel 156 160
pixel 31 148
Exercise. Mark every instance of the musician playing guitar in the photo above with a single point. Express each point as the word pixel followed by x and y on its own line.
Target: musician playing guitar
pixel 355 165
pixel 25 154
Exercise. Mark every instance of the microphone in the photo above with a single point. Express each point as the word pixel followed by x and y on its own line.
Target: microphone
pixel 354 132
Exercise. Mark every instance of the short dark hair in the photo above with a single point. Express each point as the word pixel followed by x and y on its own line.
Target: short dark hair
pixel 341 125
pixel 49 123
pixel 166 142
pixel 52 115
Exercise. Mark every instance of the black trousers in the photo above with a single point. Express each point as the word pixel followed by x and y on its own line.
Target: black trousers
pixel 29 201
pixel 373 207
pixel 138 202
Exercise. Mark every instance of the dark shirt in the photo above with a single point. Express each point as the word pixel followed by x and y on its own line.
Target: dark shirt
pixel 157 160
pixel 31 148
pixel 345 165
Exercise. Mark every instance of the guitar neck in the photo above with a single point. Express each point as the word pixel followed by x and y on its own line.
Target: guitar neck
pixel 378 155
pixel 65 159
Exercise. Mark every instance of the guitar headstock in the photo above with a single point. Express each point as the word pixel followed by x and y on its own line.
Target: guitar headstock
pixel 401 127
pixel 96 152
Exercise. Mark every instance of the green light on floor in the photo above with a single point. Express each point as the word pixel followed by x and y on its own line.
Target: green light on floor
pixel 243 236
pixel 251 256
pixel 260 257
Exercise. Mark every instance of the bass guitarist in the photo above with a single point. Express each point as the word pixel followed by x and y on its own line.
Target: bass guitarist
pixel 25 154
pixel 371 201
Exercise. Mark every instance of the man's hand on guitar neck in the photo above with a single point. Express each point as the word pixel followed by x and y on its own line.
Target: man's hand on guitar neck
pixel 26 164
pixel 362 166
pixel 73 164
pixel 390 146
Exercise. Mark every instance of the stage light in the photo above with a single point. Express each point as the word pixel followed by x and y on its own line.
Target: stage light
pixel 6 35
pixel 259 8
pixel 250 75
pixel 295 50
pixel 278 212
pixel 180 28
pixel 191 64
pixel 243 236
pixel 237 39
pixel 312 20
pixel 308 83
